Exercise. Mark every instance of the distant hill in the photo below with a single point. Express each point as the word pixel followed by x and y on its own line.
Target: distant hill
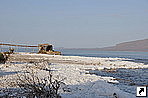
pixel 138 45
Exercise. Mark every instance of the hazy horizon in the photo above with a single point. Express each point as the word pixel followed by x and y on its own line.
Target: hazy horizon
pixel 74 23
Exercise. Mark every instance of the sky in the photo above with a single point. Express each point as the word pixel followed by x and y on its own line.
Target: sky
pixel 73 23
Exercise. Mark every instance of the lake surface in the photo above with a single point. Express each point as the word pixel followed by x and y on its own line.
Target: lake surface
pixel 128 79
pixel 141 57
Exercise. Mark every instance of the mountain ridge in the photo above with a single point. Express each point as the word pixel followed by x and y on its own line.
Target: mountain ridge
pixel 137 45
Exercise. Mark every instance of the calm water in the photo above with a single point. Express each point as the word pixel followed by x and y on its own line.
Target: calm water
pixel 141 57
pixel 128 79
pixel 94 53
pixel 19 49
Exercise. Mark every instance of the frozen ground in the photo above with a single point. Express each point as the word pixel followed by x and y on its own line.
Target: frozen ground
pixel 79 84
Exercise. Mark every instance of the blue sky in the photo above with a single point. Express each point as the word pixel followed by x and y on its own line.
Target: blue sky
pixel 73 23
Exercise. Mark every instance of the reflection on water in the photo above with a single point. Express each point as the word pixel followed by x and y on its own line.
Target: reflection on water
pixel 128 79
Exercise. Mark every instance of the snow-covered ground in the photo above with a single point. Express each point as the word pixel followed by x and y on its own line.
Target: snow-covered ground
pixel 79 84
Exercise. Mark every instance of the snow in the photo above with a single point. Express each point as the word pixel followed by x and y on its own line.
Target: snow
pixel 79 84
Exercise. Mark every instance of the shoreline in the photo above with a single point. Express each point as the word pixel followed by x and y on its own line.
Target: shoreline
pixel 106 62
pixel 74 69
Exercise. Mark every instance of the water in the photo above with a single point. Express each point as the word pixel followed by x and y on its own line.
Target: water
pixel 128 79
pixel 19 49
pixel 95 53
pixel 141 57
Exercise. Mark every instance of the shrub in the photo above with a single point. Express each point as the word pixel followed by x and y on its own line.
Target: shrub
pixel 31 85
pixel 37 87
pixel 2 58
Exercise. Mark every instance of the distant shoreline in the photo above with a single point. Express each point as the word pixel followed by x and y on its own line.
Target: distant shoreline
pixel 135 46
pixel 100 49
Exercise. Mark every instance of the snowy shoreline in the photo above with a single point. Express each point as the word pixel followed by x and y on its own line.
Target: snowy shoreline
pixel 74 70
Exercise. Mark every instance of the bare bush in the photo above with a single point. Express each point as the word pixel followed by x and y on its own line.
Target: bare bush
pixel 41 88
pixel 46 87
pixel 3 57
pixel 34 86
